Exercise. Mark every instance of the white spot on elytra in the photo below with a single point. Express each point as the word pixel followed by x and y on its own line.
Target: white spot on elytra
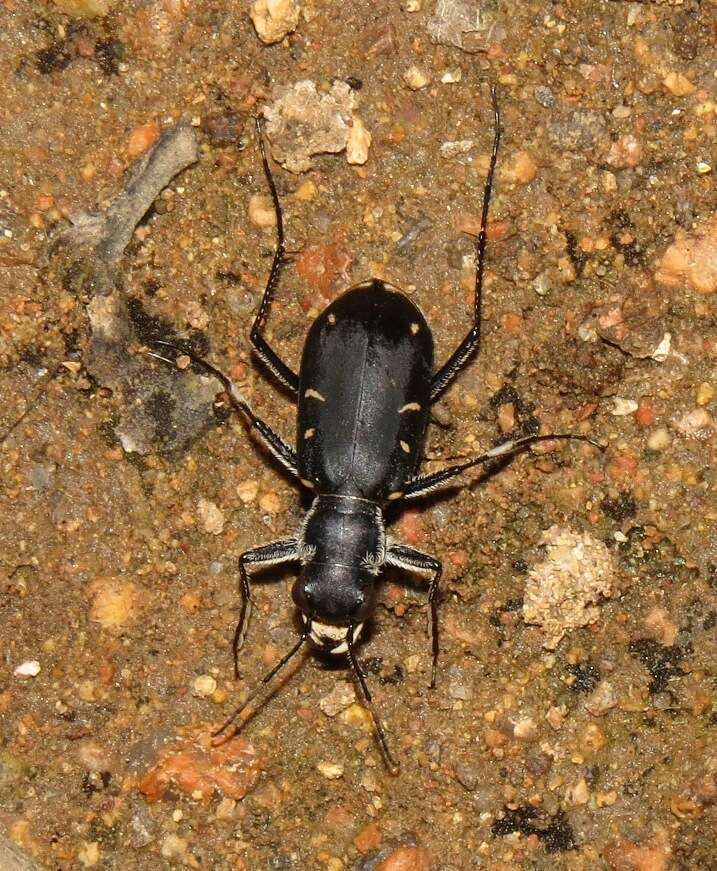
pixel 405 447
pixel 331 319
pixel 409 406
pixel 414 328
pixel 314 394
pixel 309 433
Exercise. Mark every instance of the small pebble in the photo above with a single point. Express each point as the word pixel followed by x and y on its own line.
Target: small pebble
pixel 450 77
pixel 455 148
pixel 204 686
pixel 692 257
pixel 358 716
pixel 225 809
pixel 622 407
pixel 30 668
pixel 695 422
pixel 578 793
pixel 594 738
pixel 330 770
pixel 341 697
pixel 660 627
pixel 625 153
pixel 525 729
pixel 659 439
pixel 678 85
pixel 270 503
pixel 646 414
pixel 306 191
pixel 369 838
pixel 662 351
pixel 522 169
pixel 210 516
pixel 247 491
pixel 544 96
pixel 358 143
pixel 261 211
pixel 602 699
pixel 467 775
pixel 114 603
pixel 705 393
pixel 141 139
pixel 274 19
pixel 89 854
pixel 173 847
pixel 405 859
pixel 416 78
pixel 556 716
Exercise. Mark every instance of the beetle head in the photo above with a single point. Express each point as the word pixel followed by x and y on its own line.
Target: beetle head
pixel 336 598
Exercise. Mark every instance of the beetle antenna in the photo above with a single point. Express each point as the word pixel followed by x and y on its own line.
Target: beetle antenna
pixel 390 762
pixel 264 681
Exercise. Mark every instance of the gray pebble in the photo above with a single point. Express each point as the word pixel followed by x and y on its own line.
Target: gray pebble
pixel 544 96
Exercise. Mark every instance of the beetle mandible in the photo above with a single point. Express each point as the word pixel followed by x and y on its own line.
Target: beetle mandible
pixel 364 391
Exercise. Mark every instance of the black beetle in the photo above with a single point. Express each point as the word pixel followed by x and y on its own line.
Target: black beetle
pixel 364 391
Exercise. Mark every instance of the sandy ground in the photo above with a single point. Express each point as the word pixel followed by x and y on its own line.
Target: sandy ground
pixel 119 594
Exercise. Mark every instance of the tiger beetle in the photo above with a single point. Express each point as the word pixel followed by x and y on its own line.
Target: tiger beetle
pixel 364 392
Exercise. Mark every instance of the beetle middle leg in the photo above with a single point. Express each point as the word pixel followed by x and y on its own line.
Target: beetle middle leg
pixel 404 557
pixel 471 342
pixel 281 370
pixel 284 551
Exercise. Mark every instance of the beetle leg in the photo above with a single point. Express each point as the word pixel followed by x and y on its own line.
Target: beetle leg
pixel 404 557
pixel 272 554
pixel 471 342
pixel 425 484
pixel 281 371
pixel 274 442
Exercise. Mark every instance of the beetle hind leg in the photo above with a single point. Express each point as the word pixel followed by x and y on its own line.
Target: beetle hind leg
pixel 404 557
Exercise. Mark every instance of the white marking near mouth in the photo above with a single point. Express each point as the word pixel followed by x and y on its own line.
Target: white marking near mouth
pixel 323 634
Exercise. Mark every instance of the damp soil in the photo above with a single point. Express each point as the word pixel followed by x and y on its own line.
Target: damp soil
pixel 119 571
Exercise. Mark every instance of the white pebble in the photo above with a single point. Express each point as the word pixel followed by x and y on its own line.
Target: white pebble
pixel 662 351
pixel 330 770
pixel 416 78
pixel 211 516
pixel 261 211
pixel 450 77
pixel 359 142
pixel 455 148
pixel 659 439
pixel 204 686
pixel 30 668
pixel 696 422
pixel 622 407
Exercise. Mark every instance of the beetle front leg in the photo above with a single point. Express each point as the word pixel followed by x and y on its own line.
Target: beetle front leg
pixel 272 554
pixel 404 557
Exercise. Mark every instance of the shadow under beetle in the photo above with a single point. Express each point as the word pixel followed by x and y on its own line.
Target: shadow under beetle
pixel 364 392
